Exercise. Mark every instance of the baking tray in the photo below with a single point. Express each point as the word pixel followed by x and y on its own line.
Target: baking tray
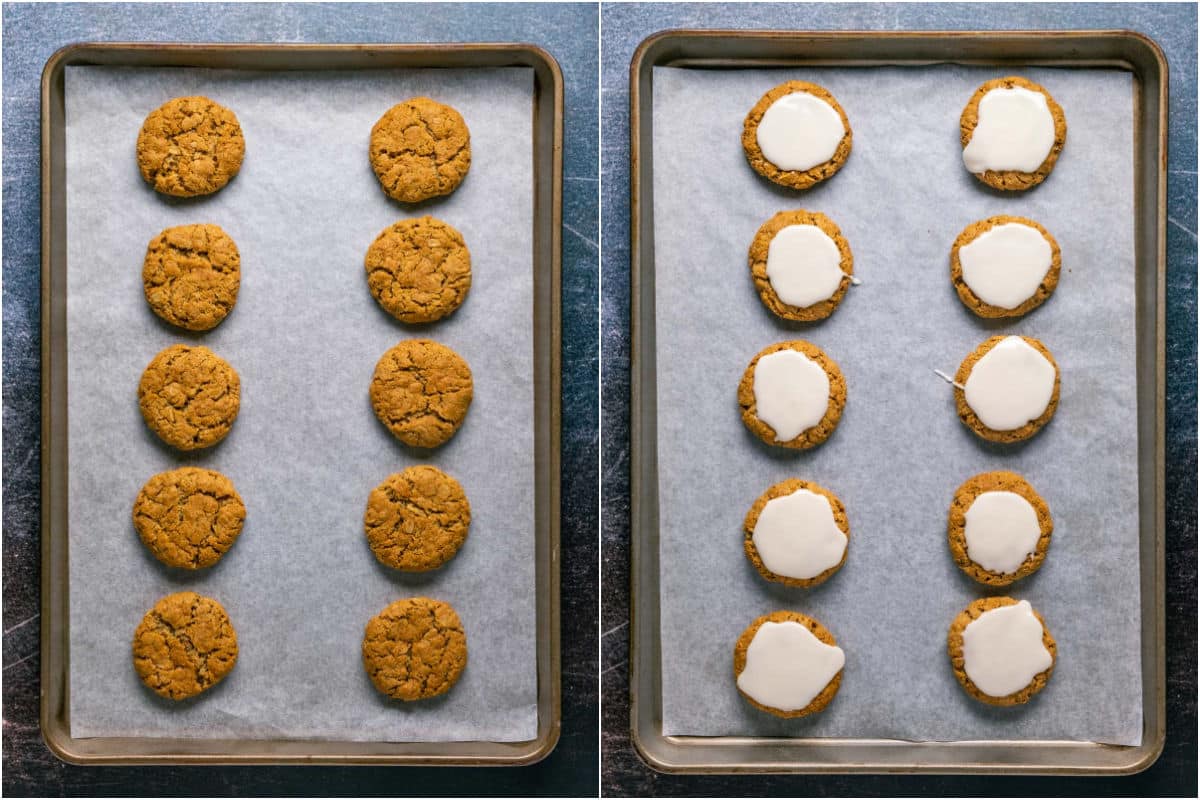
pixel 546 321
pixel 722 49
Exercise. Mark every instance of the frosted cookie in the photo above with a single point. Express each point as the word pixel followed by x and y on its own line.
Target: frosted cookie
pixel 1004 266
pixel 189 396
pixel 788 665
pixel 999 528
pixel 792 395
pixel 797 533
pixel 1012 132
pixel 796 135
pixel 1000 651
pixel 801 265
pixel 191 275
pixel 1009 388
pixel 190 146
pixel 416 520
pixel 188 517
pixel 415 649
pixel 420 149
pixel 184 646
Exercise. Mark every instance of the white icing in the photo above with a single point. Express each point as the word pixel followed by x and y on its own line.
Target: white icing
pixel 1005 265
pixel 1001 531
pixel 796 535
pixel 1003 650
pixel 791 393
pixel 1015 132
pixel 787 666
pixel 1010 386
pixel 804 265
pixel 799 131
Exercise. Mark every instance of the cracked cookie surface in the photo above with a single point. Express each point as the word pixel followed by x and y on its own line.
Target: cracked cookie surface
pixel 190 146
pixel 417 520
pixel 419 270
pixel 421 391
pixel 191 275
pixel 414 649
pixel 188 517
pixel 420 149
pixel 184 645
pixel 189 396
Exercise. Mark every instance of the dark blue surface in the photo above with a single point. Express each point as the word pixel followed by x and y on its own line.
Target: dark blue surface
pixel 1174 28
pixel 31 35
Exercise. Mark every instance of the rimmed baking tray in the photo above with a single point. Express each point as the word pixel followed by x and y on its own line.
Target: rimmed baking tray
pixel 545 319
pixel 758 49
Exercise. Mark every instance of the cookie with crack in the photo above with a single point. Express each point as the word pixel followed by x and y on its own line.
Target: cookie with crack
pixel 1004 266
pixel 1012 132
pixel 797 135
pixel 419 270
pixel 420 149
pixel 185 645
pixel 1006 390
pixel 190 146
pixel 417 520
pixel 421 391
pixel 998 528
pixel 191 276
pixel 788 664
pixel 415 649
pixel 792 395
pixel 801 265
pixel 1000 650
pixel 188 517
pixel 189 396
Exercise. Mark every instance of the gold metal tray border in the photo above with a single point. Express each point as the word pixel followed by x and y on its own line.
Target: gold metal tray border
pixel 724 49
pixel 546 320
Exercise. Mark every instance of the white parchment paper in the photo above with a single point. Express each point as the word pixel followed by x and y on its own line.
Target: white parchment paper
pixel 301 582
pixel 900 451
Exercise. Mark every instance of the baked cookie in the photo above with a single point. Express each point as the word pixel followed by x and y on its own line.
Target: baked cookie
pixel 420 149
pixel 1001 651
pixel 417 519
pixel 184 645
pixel 1004 266
pixel 188 517
pixel 788 665
pixel 796 533
pixel 421 391
pixel 801 265
pixel 797 135
pixel 191 276
pixel 419 270
pixel 414 649
pixel 189 396
pixel 999 528
pixel 1009 388
pixel 1012 132
pixel 190 146
pixel 792 395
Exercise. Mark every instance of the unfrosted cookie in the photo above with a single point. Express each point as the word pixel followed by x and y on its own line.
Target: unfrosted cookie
pixel 797 533
pixel 190 146
pixel 792 395
pixel 191 275
pixel 416 520
pixel 1012 132
pixel 801 265
pixel 188 517
pixel 414 649
pixel 184 645
pixel 189 396
pixel 797 135
pixel 1004 266
pixel 421 391
pixel 1010 388
pixel 419 270
pixel 1000 651
pixel 999 528
pixel 420 149
pixel 788 664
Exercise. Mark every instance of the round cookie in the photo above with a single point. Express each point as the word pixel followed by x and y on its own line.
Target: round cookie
pixel 191 276
pixel 416 520
pixel 421 391
pixel 1019 425
pixel 190 146
pixel 1049 138
pixel 414 649
pixel 1022 261
pixel 188 517
pixel 184 646
pixel 804 534
pixel 804 255
pixel 802 432
pixel 787 640
pixel 189 396
pixel 420 149
pixel 808 160
pixel 1003 655
pixel 419 270
pixel 1010 530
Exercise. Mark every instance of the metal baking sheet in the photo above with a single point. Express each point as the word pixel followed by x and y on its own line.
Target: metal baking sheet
pixel 771 750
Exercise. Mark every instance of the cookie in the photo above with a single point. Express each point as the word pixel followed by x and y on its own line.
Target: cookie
pixel 421 391
pixel 416 520
pixel 184 646
pixel 1000 651
pixel 999 528
pixel 189 396
pixel 1004 266
pixel 420 149
pixel 419 270
pixel 188 517
pixel 788 665
pixel 1012 132
pixel 191 276
pixel 1009 388
pixel 414 649
pixel 796 533
pixel 190 146
pixel 792 395
pixel 801 265
pixel 797 135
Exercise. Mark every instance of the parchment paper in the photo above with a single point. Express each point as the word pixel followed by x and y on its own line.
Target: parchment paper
pixel 900 451
pixel 301 582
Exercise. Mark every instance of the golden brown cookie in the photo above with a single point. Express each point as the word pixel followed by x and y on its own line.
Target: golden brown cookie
pixel 1012 180
pixel 743 643
pixel 184 645
pixel 421 391
pixel 954 647
pixel 970 300
pixel 420 149
pixel 189 396
pixel 796 179
pixel 782 489
pixel 414 649
pixel 419 270
pixel 965 495
pixel 758 264
pixel 188 517
pixel 190 146
pixel 191 275
pixel 416 520
pixel 968 416
pixel 810 437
